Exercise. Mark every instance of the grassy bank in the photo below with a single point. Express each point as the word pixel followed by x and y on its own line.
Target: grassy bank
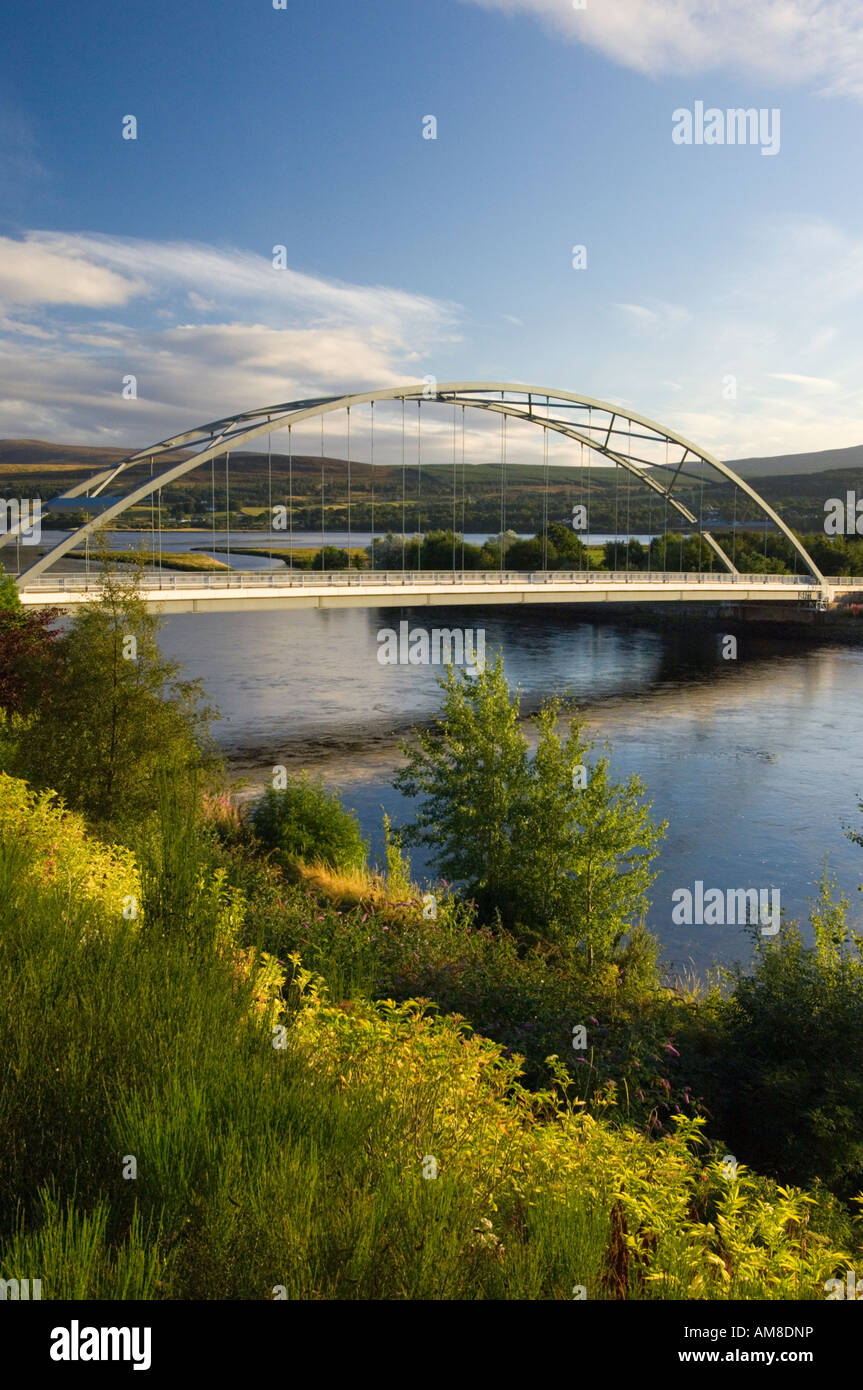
pixel 186 1116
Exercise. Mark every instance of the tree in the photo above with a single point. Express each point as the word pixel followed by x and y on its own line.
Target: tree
pixel 525 554
pixel 117 713
pixel 550 843
pixel 28 656
pixel 795 1111
pixel 619 554
pixel 471 772
pixel 588 843
pixel 565 550
pixel 306 823
pixel 331 557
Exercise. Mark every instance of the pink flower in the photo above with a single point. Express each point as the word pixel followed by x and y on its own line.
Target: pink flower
pixel 672 1050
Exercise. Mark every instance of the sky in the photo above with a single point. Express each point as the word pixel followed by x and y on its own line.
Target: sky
pixel 719 289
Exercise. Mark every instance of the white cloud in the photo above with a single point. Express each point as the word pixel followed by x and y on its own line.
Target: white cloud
pixel 661 318
pixel 280 335
pixel 197 301
pixel 815 383
pixel 37 273
pixel 638 311
pixel 817 43
pixel 226 276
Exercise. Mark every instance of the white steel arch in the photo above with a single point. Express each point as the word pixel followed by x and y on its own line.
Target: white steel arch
pixel 594 423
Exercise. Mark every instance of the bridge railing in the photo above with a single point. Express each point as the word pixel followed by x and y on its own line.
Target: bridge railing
pixel 309 579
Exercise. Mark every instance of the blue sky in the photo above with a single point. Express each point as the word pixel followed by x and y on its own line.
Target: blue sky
pixel 453 257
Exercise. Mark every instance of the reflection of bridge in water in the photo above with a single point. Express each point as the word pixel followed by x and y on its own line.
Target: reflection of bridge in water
pixel 688 487
pixel 224 593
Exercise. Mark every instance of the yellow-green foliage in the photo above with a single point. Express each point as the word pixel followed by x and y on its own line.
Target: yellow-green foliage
pixel 57 849
pixel 299 1159
pixel 677 1225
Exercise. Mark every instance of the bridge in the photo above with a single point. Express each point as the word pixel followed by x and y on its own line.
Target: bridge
pixel 225 593
pixel 672 471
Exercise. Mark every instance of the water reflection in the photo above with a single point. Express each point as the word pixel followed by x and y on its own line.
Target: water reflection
pixel 752 762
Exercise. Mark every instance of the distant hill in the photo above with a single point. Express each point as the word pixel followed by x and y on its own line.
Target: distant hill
pixel 798 485
pixel 41 458
pixel 822 461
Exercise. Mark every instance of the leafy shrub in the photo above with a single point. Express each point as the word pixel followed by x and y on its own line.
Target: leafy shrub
pixel 388 945
pixel 305 822
pixel 304 1165
pixel 780 1056
pixel 50 845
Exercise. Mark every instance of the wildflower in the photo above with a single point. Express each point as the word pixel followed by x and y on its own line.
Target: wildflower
pixel 486 1239
pixel 672 1050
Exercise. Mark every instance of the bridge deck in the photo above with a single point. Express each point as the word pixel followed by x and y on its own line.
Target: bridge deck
pixel 248 589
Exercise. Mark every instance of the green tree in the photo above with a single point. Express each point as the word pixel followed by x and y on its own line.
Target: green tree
pixel 525 554
pixel 587 844
pixel 307 823
pixel 550 843
pixel 470 771
pixel 117 713
pixel 565 550
pixel 780 1055
pixel 621 555
pixel 331 557
pixel 28 658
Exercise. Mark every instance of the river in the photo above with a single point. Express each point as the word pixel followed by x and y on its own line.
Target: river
pixel 752 762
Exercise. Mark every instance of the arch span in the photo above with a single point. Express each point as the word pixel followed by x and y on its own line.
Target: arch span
pixel 597 425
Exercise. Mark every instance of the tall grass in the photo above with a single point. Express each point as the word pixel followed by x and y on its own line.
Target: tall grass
pixel 306 1169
